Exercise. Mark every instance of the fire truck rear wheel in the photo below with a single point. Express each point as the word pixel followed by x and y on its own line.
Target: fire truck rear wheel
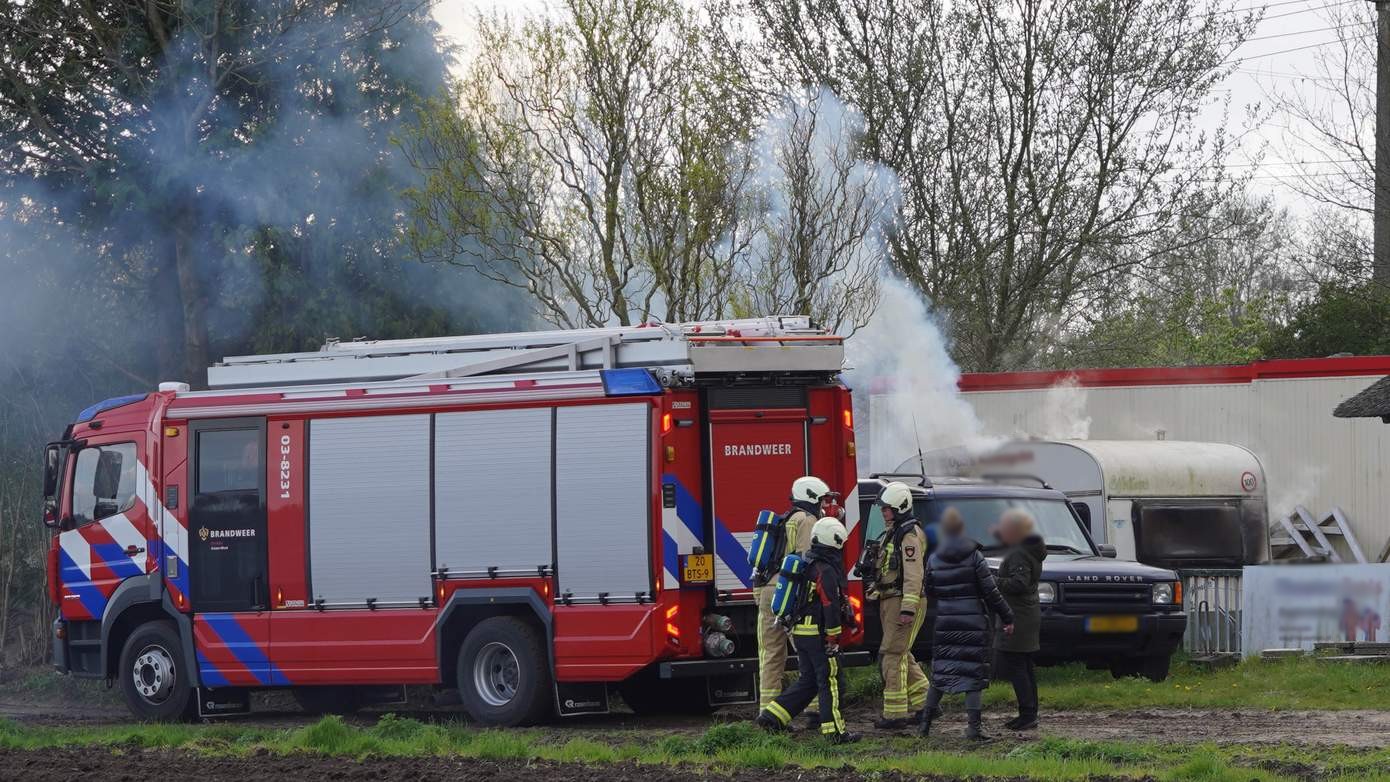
pixel 503 673
pixel 155 685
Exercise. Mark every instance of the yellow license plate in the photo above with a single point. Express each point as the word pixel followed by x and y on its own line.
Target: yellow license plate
pixel 1112 624
pixel 698 569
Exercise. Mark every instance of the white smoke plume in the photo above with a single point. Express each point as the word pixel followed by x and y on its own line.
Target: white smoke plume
pixel 896 352
pixel 1064 413
pixel 901 359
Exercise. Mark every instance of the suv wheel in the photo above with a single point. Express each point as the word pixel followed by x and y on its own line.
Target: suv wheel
pixel 155 686
pixel 1155 668
pixel 504 673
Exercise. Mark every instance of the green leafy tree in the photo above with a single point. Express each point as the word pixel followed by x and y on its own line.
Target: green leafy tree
pixel 1341 318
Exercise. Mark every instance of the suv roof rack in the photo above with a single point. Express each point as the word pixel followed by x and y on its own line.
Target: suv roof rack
pixel 1004 477
pixel 922 480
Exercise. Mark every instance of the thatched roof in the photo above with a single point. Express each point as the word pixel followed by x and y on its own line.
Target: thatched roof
pixel 1374 402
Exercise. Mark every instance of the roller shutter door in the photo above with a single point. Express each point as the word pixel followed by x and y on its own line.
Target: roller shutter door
pixel 603 500
pixel 369 509
pixel 492 491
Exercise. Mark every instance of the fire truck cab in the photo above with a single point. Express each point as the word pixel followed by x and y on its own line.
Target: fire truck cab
pixel 532 519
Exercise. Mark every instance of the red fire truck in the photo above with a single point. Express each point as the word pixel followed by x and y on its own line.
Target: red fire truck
pixel 531 519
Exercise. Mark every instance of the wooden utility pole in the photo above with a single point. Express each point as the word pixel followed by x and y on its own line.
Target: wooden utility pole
pixel 1381 268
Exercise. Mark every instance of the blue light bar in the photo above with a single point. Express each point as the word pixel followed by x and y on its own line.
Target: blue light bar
pixel 108 404
pixel 629 382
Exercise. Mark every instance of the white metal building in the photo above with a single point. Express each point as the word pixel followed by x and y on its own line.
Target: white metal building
pixel 1280 410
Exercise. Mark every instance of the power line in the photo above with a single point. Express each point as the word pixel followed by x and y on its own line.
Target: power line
pixel 1304 32
pixel 1267 6
pixel 1310 10
pixel 1287 163
pixel 1285 74
pixel 1299 48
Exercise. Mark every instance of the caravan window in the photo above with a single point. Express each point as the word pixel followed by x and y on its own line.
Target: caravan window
pixel 1188 534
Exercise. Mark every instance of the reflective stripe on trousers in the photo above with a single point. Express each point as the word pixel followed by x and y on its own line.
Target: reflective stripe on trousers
pixel 904 683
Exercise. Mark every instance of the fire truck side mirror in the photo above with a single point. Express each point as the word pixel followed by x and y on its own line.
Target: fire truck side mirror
pixel 51 464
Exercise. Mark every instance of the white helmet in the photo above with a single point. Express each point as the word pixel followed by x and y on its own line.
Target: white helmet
pixel 810 489
pixel 829 532
pixel 897 496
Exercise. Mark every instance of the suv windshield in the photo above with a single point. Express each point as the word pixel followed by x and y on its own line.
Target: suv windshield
pixel 1054 519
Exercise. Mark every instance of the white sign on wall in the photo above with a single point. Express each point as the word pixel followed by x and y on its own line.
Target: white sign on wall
pixel 1294 606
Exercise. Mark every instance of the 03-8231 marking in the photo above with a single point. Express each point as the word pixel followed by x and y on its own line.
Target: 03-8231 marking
pixel 284 467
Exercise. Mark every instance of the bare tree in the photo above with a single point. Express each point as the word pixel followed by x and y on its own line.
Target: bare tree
pixel 1039 142
pixel 1216 300
pixel 1331 114
pixel 593 160
pixel 819 247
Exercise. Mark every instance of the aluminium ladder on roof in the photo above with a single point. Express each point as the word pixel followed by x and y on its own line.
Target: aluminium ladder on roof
pixel 767 344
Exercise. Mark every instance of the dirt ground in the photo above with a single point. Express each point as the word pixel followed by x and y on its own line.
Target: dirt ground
pixel 1360 729
pixel 73 764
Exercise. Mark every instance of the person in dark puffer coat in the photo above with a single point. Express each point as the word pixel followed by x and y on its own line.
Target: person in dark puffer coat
pixel 1018 577
pixel 959 579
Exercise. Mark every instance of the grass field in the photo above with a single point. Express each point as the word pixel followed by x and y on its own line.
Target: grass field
pixel 1255 685
pixel 1297 683
pixel 727 747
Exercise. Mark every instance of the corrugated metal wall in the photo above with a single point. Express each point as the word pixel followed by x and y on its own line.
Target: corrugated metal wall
pixel 1310 458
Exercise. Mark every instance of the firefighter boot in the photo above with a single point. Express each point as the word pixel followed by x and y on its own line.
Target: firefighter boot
pixel 974 730
pixel 891 723
pixel 924 729
pixel 768 722
pixel 844 737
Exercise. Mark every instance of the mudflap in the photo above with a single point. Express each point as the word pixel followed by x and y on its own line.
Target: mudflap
pixel 732 689
pixel 573 699
pixel 223 702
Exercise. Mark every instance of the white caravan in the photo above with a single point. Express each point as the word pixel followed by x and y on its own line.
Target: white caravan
pixel 1161 502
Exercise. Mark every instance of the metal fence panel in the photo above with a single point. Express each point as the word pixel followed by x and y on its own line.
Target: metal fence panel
pixel 1211 599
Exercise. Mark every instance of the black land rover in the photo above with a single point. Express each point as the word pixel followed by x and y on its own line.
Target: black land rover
pixel 1106 613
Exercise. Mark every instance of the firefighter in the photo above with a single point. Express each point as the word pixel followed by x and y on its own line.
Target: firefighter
pixel 898 588
pixel 816 631
pixel 811 498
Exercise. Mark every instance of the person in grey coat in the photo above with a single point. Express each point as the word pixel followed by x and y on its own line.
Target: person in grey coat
pixel 1018 581
pixel 958 579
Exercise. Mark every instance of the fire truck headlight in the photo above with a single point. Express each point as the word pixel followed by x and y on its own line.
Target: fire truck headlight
pixel 1163 593
pixel 1047 592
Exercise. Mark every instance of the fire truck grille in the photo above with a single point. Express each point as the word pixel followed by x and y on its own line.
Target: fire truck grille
pixel 1115 596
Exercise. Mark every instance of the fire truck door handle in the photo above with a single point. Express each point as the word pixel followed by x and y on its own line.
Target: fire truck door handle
pixel 133 549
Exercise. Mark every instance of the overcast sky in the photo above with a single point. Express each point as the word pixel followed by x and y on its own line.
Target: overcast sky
pixel 1282 50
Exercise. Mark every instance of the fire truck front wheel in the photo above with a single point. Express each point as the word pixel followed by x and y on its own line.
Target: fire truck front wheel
pixel 151 672
pixel 503 674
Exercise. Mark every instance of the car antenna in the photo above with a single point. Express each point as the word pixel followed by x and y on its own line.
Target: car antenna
pixel 921 460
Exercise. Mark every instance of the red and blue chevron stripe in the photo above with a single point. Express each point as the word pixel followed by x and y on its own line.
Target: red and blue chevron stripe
pixel 234 653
